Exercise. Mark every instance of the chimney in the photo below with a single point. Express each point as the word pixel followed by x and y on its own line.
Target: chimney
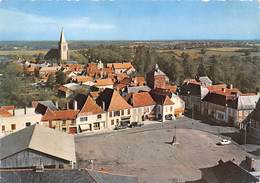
pixel 57 104
pixel 224 89
pixel 103 105
pixel 231 86
pixel 75 105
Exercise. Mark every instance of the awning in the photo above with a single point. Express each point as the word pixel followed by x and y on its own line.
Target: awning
pixel 84 127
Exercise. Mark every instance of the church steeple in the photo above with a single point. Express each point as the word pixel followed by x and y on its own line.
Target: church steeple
pixel 62 36
pixel 63 48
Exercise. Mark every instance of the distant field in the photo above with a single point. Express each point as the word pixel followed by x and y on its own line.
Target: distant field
pixel 21 52
pixel 227 49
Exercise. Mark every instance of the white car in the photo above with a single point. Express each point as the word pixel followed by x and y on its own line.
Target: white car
pixel 224 142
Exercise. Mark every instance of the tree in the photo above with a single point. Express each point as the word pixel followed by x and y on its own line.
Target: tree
pixel 60 77
pixel 51 81
pixel 201 71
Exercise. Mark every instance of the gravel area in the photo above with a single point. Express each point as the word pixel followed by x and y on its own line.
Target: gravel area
pixel 146 152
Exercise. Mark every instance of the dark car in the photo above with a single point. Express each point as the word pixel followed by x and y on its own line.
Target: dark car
pixel 135 124
pixel 168 117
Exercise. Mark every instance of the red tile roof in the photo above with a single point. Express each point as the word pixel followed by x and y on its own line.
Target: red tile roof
pixel 124 65
pixel 104 82
pixel 112 100
pixel 5 113
pixel 60 115
pixel 8 107
pixel 82 79
pixel 140 99
pixel 90 107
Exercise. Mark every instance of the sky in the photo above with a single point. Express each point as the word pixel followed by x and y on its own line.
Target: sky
pixel 129 19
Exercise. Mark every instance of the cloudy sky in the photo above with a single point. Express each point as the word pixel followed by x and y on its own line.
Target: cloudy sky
pixel 129 19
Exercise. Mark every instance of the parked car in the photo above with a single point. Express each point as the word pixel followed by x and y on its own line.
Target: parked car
pixel 168 117
pixel 135 124
pixel 120 127
pixel 224 142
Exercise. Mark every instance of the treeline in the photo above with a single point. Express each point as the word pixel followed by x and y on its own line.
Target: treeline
pixel 241 71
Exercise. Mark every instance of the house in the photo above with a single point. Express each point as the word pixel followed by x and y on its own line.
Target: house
pixel 124 67
pixel 63 120
pixel 81 79
pixel 156 78
pixel 119 111
pixel 228 106
pixel 135 89
pixel 139 81
pixel 104 83
pixel 69 89
pixel 253 124
pixel 164 106
pixel 192 92
pixel 44 72
pixel 42 106
pixel 143 105
pixel 37 146
pixel 17 120
pixel 91 117
pixel 64 176
pixel 228 172
pixel 179 105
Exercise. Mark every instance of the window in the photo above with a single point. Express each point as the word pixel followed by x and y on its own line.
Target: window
pixel 117 113
pixel 96 125
pixel 13 126
pixel 63 123
pixel 117 121
pixel 112 122
pixel 28 124
pixel 110 114
pixel 83 118
pixel 99 116
pixel 64 129
pixel 3 128
pixel 128 111
pixel 171 109
pixel 122 112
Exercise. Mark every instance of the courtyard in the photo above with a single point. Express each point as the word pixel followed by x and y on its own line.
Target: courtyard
pixel 146 152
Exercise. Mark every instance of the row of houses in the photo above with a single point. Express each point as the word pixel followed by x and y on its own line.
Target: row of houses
pixel 219 103
pixel 105 110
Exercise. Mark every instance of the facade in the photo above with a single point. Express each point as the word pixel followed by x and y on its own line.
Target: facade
pixel 192 92
pixel 119 112
pixel 179 105
pixel 143 105
pixel 63 48
pixel 17 120
pixel 62 120
pixel 91 117
pixel 37 146
pixel 228 106
pixel 104 83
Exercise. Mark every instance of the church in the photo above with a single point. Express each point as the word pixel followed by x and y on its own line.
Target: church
pixel 61 54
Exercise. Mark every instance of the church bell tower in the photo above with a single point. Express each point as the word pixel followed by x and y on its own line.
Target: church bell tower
pixel 63 48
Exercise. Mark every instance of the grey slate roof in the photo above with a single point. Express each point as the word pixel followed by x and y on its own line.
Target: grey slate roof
pixel 136 89
pixel 247 102
pixel 39 138
pixel 49 104
pixel 228 172
pixel 205 80
pixel 63 176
